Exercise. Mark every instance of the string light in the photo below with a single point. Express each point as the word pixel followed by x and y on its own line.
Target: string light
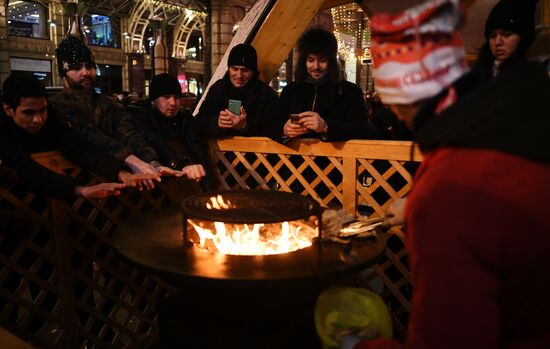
pixel 348 28
pixel 174 7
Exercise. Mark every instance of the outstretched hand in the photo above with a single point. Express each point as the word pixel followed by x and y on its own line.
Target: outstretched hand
pixel 139 166
pixel 167 171
pixel 99 191
pixel 194 172
pixel 139 180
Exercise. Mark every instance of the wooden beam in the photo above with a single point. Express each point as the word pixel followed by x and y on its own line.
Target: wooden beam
pixel 280 31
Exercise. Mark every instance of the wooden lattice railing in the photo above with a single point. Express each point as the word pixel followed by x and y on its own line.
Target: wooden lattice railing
pixel 349 173
pixel 65 285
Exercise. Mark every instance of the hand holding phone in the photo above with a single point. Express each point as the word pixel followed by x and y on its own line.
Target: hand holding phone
pixel 295 118
pixel 234 106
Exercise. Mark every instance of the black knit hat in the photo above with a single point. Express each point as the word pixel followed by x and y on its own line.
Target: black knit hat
pixel 514 15
pixel 71 52
pixel 244 55
pixel 318 41
pixel 162 85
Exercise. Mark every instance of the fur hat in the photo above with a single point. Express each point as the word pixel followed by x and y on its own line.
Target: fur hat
pixel 243 55
pixel 318 41
pixel 417 52
pixel 162 85
pixel 71 52
pixel 516 16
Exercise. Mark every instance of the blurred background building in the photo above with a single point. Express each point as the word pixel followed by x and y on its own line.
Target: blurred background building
pixel 194 33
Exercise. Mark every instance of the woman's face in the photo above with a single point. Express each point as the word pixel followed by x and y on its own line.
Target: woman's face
pixel 503 43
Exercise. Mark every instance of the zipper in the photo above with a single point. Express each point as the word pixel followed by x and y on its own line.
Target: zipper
pixel 315 98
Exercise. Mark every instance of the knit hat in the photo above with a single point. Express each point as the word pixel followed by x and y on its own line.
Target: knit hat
pixel 516 16
pixel 162 85
pixel 318 41
pixel 244 55
pixel 71 52
pixel 417 52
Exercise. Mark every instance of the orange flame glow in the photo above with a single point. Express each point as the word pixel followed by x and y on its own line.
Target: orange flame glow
pixel 254 239
pixel 218 203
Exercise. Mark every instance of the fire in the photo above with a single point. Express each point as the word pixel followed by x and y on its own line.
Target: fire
pixel 254 239
pixel 218 203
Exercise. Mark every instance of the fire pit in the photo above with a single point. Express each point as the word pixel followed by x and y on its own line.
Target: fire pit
pixel 251 222
pixel 251 300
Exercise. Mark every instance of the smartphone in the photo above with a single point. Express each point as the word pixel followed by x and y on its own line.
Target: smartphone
pixel 295 118
pixel 234 106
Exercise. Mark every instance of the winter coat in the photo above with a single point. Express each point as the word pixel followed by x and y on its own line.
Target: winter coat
pixel 257 99
pixel 37 177
pixel 477 217
pixel 342 107
pixel 103 123
pixel 56 135
pixel 159 130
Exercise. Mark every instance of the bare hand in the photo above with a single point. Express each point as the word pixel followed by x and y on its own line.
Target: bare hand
pixel 194 172
pixel 313 121
pixel 135 180
pixel 99 191
pixel 293 130
pixel 227 119
pixel 139 166
pixel 395 215
pixel 167 171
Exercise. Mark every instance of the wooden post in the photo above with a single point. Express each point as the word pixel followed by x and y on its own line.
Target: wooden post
pixel 65 275
pixel 348 183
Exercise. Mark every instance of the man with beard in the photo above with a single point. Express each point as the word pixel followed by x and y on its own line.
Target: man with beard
pixel 97 118
pixel 239 103
pixel 320 103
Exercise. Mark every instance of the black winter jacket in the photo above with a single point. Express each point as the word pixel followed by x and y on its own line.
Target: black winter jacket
pixel 257 99
pixel 56 135
pixel 489 115
pixel 37 177
pixel 341 106
pixel 103 123
pixel 158 130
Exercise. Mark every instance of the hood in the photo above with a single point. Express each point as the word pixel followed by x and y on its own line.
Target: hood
pixel 510 114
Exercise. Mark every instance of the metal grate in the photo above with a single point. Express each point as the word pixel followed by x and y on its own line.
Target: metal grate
pixel 250 206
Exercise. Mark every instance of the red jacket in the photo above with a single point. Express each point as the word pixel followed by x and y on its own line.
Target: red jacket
pixel 479 247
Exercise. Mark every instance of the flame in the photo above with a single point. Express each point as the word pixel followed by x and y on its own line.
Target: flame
pixel 218 203
pixel 254 239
